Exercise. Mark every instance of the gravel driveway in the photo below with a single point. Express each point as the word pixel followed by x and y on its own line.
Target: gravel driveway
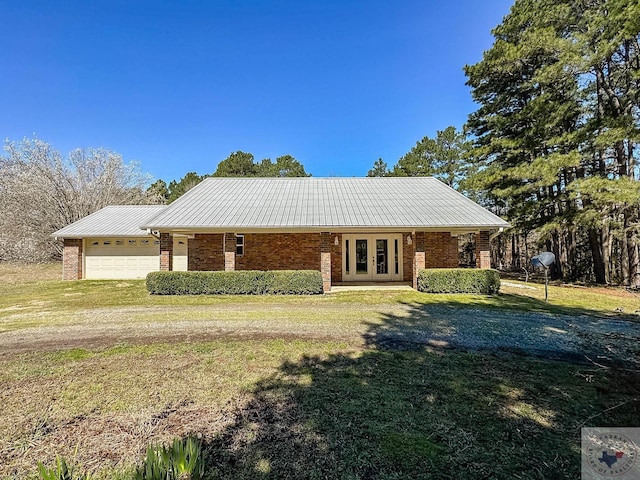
pixel 581 337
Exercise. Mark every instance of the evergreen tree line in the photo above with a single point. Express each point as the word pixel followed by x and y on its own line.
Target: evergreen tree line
pixel 556 132
pixel 238 164
pixel 553 145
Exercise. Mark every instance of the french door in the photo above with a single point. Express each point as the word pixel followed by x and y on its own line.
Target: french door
pixel 371 257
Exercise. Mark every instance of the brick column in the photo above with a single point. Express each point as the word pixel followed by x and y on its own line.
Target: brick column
pixel 453 259
pixel 419 256
pixel 72 259
pixel 336 258
pixel 325 260
pixel 166 252
pixel 229 252
pixel 483 253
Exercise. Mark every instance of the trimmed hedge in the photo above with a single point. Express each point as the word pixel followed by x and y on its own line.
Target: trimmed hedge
pixel 458 280
pixel 239 282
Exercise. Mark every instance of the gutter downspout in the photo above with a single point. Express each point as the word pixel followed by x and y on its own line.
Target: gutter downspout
pixel 496 234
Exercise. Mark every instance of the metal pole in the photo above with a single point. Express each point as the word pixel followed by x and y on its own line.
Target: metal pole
pixel 546 295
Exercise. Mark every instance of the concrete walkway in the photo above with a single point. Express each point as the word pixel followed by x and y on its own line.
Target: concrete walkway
pixel 349 287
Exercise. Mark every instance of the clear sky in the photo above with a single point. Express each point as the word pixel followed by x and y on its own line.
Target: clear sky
pixel 179 85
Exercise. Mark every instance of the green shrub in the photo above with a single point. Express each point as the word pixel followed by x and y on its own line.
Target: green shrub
pixel 458 280
pixel 239 282
pixel 295 282
pixel 60 471
pixel 182 459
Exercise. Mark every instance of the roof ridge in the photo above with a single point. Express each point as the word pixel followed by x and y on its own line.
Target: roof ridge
pixel 134 205
pixel 320 178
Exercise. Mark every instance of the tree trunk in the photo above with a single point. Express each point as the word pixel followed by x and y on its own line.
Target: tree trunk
pixel 634 263
pixel 554 246
pixel 597 256
pixel 607 247
pixel 624 259
pixel 514 255
pixel 571 254
pixel 633 258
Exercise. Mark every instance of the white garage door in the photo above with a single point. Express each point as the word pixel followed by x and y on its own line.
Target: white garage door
pixel 121 258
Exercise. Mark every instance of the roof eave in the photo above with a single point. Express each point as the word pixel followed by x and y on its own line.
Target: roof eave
pixel 186 229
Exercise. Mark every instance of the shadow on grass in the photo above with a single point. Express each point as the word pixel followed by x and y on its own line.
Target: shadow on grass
pixel 425 412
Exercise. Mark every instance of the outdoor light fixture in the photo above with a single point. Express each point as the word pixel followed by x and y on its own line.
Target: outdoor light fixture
pixel 409 241
pixel 335 241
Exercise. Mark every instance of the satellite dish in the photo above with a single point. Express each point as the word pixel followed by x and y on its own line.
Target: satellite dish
pixel 544 260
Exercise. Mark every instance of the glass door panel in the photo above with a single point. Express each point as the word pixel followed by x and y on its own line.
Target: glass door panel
pixel 362 257
pixel 371 257
pixel 395 253
pixel 382 256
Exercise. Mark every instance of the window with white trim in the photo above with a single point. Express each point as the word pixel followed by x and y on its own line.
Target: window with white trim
pixel 239 244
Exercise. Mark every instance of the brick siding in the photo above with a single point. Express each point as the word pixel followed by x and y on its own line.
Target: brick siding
pixel 419 260
pixel 72 259
pixel 206 252
pixel 307 251
pixel 325 260
pixel 441 250
pixel 280 251
pixel 230 244
pixel 483 254
pixel 408 252
pixel 336 258
pixel 166 251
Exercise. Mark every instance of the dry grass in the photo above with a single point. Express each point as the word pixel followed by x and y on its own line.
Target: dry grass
pixel 307 409
pixel 290 391
pixel 109 404
pixel 21 273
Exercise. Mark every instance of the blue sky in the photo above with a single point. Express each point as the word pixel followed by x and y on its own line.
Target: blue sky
pixel 180 85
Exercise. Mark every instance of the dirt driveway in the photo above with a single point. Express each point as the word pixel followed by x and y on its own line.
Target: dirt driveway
pixel 577 338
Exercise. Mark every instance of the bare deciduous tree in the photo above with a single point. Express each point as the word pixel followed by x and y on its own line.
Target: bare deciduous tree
pixel 41 192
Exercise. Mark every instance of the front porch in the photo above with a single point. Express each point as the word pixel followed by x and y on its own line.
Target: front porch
pixel 346 259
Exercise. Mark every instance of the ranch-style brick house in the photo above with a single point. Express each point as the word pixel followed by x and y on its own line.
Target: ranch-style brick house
pixel 350 229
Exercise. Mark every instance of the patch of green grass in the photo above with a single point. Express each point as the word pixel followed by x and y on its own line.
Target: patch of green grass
pixel 409 449
pixel 343 410
pixel 55 303
pixel 598 300
pixel 346 413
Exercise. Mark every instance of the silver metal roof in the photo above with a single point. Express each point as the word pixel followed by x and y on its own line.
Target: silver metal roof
pixel 244 204
pixel 113 221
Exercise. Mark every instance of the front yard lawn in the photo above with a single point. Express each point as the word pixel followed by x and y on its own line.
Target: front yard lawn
pixel 292 387
pixel 28 302
pixel 308 409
